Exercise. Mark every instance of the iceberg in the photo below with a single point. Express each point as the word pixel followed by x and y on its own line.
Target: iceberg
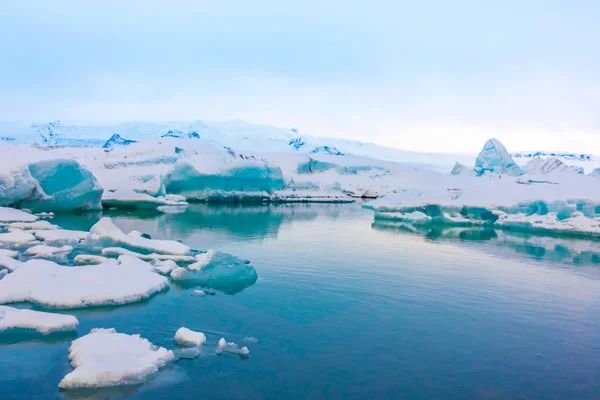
pixel 188 337
pixel 106 234
pixel 51 285
pixel 42 322
pixel 494 158
pixel 105 358
pixel 217 270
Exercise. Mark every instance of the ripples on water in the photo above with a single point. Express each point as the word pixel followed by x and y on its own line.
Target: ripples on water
pixel 345 308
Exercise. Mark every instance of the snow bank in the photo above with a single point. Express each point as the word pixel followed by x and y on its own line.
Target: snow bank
pixel 105 358
pixel 106 234
pixel 54 286
pixel 43 322
pixel 188 337
pixel 217 270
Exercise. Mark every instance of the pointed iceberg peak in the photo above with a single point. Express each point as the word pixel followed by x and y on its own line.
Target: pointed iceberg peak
pixel 495 159
pixel 117 140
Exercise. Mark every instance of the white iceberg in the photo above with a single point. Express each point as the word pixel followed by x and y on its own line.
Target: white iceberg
pixel 217 270
pixel 106 234
pixel 105 358
pixel 494 158
pixel 43 322
pixel 188 337
pixel 55 286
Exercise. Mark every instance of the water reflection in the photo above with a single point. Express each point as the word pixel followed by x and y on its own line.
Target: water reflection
pixel 506 243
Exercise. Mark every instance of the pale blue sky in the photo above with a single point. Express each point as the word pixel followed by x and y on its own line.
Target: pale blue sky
pixel 427 75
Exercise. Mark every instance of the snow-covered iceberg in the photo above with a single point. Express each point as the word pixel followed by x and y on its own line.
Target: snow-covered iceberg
pixel 55 286
pixel 217 270
pixel 40 181
pixel 188 337
pixel 105 358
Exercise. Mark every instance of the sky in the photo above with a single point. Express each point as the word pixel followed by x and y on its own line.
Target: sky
pixel 426 76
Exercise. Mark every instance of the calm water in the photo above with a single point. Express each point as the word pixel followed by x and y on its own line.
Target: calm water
pixel 344 309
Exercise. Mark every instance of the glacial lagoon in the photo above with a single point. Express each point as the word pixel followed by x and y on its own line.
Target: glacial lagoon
pixel 347 308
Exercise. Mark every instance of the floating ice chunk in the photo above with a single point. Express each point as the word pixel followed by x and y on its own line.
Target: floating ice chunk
pixel 495 158
pixel 33 226
pixel 61 237
pixel 55 286
pixel 118 251
pixel 45 215
pixel 217 270
pixel 231 348
pixel 188 352
pixel 164 267
pixel 9 253
pixel 9 263
pixel 88 259
pixel 188 337
pixel 105 234
pixel 43 322
pixel 105 358
pixel 8 214
pixel 16 237
pixel 250 339
pixel 126 198
pixel 42 250
pixel 198 293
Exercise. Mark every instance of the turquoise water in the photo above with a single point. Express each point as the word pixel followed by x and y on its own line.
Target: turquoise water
pixel 344 309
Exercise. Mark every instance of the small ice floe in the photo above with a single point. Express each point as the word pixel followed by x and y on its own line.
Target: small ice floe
pixel 33 226
pixel 55 286
pixel 125 198
pixel 16 237
pixel 13 215
pixel 217 270
pixel 42 250
pixel 106 358
pixel 88 259
pixel 198 293
pixel 9 263
pixel 9 253
pixel 164 267
pixel 250 339
pixel 106 234
pixel 45 215
pixel 42 322
pixel 189 338
pixel 61 237
pixel 118 251
pixel 231 348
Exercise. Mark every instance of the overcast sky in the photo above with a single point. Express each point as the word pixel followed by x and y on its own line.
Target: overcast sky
pixel 418 75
